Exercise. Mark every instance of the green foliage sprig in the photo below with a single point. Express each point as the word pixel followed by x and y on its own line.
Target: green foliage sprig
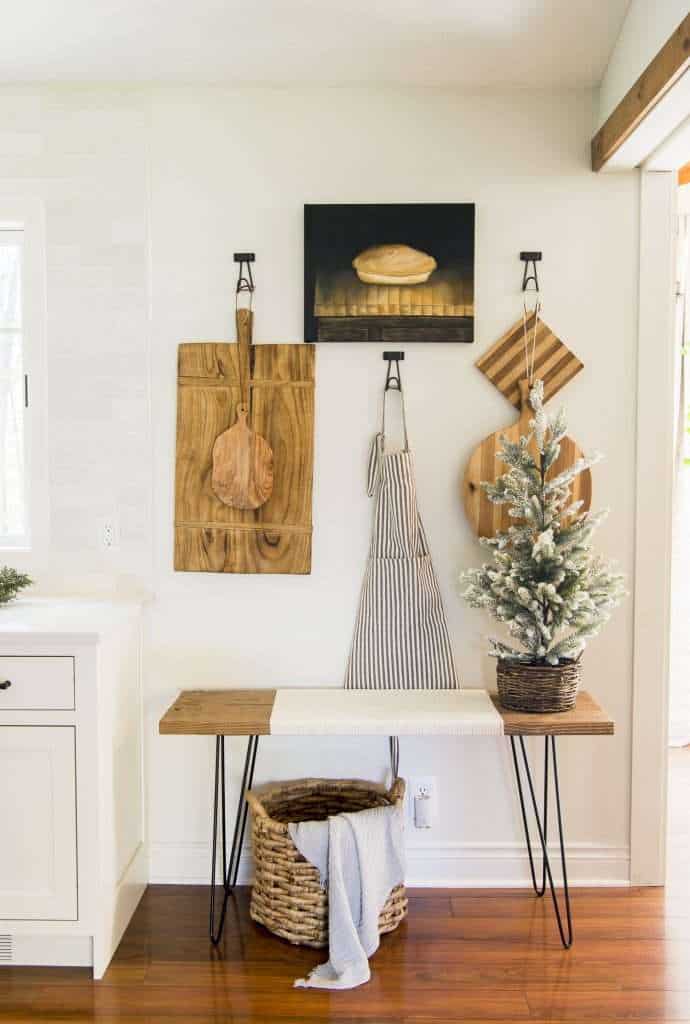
pixel 11 582
pixel 544 582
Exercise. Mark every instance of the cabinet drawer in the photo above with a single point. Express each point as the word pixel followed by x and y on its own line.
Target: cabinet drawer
pixel 36 683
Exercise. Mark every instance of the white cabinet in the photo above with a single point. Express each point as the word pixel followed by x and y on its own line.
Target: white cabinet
pixel 38 855
pixel 73 858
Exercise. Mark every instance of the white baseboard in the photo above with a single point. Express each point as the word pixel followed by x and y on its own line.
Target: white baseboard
pixel 506 865
pixel 451 865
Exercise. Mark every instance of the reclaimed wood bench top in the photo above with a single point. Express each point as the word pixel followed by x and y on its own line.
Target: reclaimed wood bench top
pixel 248 713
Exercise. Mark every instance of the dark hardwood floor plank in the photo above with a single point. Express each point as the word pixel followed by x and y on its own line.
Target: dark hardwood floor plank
pixel 462 955
pixel 391 997
pixel 556 1003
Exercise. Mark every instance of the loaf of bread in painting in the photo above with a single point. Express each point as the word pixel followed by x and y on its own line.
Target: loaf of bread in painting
pixel 393 264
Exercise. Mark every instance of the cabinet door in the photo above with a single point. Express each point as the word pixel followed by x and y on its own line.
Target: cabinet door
pixel 38 851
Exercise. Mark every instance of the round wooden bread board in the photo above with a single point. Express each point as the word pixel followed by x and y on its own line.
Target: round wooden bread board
pixel 484 465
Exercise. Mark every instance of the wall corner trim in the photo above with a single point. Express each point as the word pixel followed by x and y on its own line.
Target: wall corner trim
pixel 657 353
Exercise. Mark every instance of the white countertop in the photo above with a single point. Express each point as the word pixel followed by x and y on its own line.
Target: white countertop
pixel 73 620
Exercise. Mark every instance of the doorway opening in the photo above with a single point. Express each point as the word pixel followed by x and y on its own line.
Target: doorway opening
pixel 678 815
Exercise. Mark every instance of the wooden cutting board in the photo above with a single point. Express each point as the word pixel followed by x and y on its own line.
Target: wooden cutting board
pixel 242 474
pixel 488 519
pixel 209 535
pixel 504 363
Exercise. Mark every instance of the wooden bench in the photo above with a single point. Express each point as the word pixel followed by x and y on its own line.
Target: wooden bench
pixel 247 712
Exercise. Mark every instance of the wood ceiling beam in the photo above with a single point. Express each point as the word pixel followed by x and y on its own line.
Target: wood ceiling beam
pixel 672 61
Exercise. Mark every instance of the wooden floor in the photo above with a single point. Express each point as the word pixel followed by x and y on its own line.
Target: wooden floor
pixel 461 956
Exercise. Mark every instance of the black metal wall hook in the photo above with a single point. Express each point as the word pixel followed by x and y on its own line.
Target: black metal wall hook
pixel 393 379
pixel 245 281
pixel 527 274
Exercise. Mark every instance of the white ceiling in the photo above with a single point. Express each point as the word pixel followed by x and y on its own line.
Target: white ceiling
pixel 471 43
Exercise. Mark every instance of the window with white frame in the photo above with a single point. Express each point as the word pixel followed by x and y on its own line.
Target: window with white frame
pixel 14 512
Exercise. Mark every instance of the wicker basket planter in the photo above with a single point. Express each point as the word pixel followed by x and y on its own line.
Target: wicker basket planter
pixel 537 689
pixel 287 897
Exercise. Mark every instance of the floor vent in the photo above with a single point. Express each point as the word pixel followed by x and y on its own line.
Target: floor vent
pixel 5 949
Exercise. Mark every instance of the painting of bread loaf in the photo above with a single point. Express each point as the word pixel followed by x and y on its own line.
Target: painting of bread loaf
pixel 392 273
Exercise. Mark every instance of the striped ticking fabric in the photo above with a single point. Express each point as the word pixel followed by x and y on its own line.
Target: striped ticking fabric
pixel 401 637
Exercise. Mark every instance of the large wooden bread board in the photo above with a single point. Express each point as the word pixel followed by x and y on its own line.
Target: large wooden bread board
pixel 488 519
pixel 209 535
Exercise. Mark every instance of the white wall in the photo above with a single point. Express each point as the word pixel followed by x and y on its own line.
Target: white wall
pixel 213 170
pixel 83 153
pixel 647 26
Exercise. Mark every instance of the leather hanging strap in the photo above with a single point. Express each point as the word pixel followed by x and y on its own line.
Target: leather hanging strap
pixel 530 346
pixel 244 323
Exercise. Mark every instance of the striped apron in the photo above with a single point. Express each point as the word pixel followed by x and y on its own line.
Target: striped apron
pixel 401 637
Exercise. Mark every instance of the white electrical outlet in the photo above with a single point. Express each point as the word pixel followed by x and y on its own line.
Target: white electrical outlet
pixel 423 785
pixel 423 794
pixel 109 532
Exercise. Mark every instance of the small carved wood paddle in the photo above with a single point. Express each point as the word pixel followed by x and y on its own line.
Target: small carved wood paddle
pixel 488 519
pixel 242 475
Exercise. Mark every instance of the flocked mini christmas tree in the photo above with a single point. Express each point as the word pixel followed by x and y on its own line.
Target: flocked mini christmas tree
pixel 544 582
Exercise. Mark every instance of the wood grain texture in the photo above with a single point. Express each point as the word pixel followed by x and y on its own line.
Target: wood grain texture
pixel 209 535
pixel 504 363
pixel 248 712
pixel 465 955
pixel 219 713
pixel 659 76
pixel 586 719
pixel 242 474
pixel 488 519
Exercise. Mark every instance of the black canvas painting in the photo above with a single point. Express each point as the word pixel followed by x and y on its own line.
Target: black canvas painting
pixel 393 273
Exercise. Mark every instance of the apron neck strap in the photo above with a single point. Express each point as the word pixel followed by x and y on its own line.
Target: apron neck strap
pixel 404 420
pixel 378 445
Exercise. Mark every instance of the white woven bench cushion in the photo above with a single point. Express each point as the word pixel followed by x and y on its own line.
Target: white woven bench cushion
pixel 337 712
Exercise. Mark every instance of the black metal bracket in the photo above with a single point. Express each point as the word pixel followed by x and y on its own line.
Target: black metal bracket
pixel 393 379
pixel 245 281
pixel 565 932
pixel 231 867
pixel 527 275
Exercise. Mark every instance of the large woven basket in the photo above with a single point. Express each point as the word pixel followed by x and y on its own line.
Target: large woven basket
pixel 537 689
pixel 287 897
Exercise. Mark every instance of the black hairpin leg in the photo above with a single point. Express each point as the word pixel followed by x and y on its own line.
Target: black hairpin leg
pixel 394 750
pixel 231 867
pixel 566 933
